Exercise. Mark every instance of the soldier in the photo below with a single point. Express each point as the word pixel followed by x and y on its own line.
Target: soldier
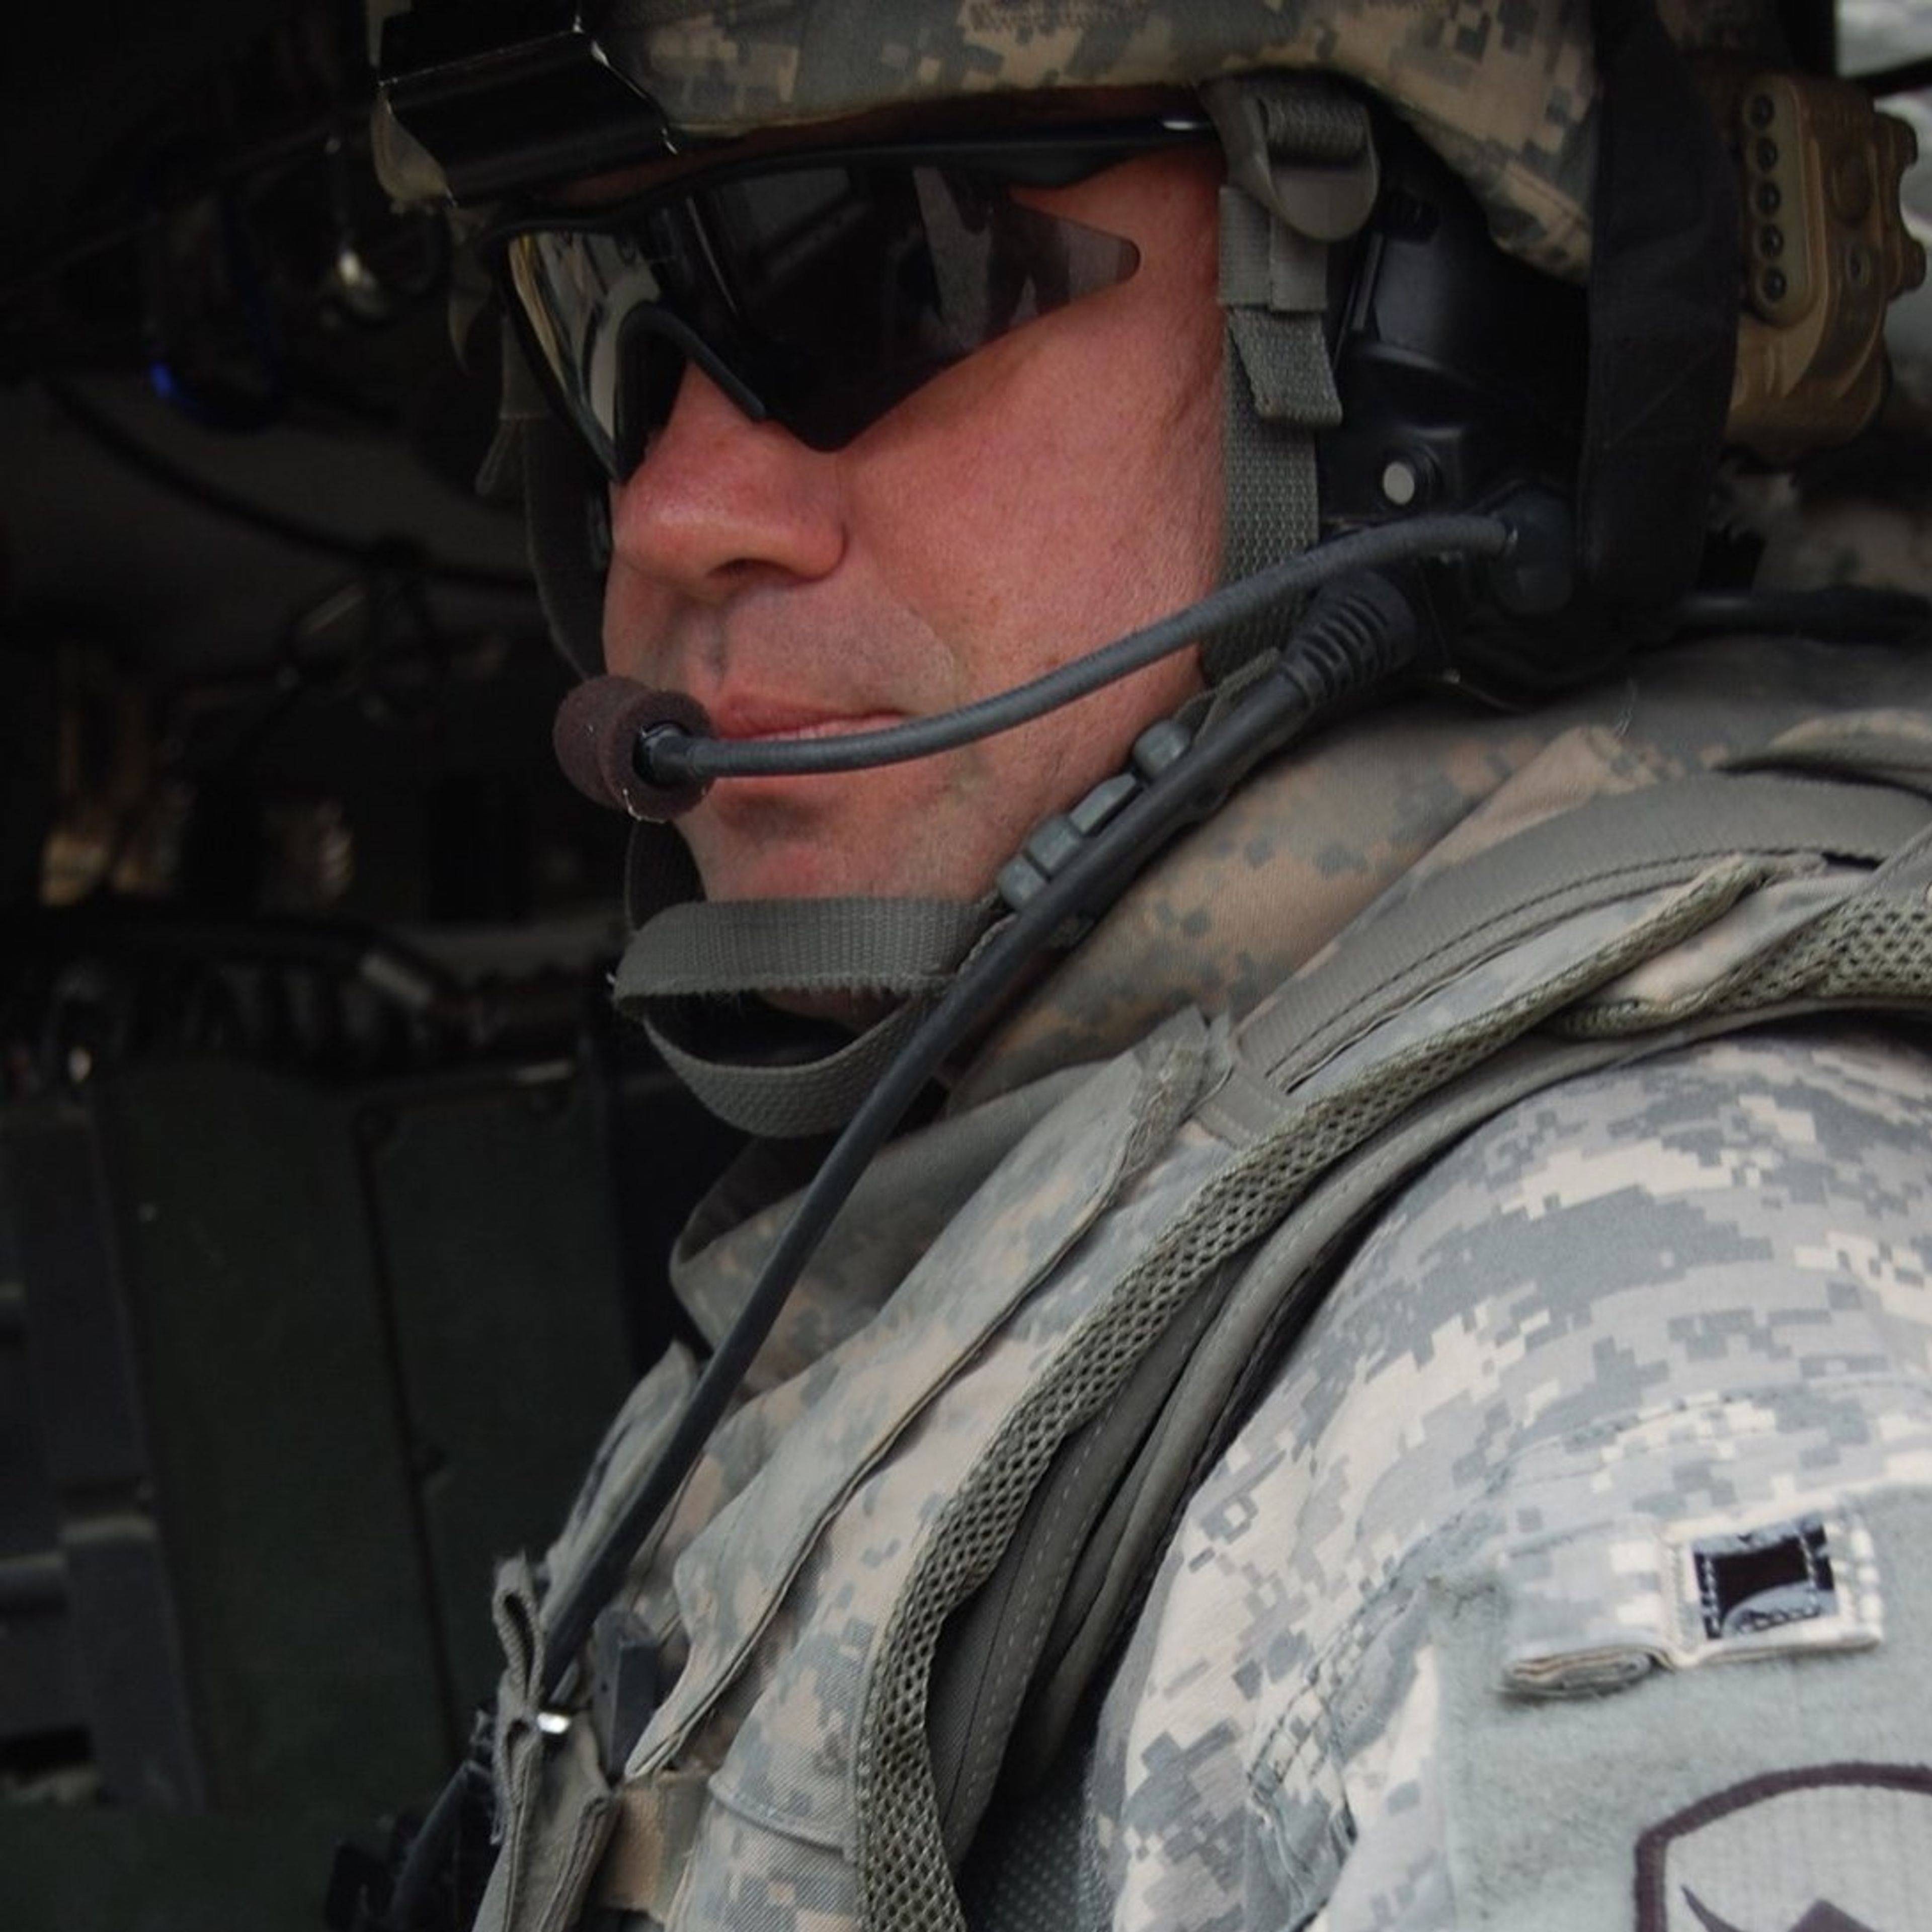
pixel 1386 1383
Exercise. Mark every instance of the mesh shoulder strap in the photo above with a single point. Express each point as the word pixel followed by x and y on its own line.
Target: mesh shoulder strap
pixel 1340 1105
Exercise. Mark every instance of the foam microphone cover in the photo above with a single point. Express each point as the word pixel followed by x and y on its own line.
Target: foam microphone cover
pixel 596 736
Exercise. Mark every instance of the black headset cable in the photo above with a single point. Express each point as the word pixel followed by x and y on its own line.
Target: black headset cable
pixel 1360 632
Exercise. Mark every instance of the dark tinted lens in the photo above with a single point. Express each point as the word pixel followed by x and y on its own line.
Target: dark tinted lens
pixel 858 284
pixel 820 296
pixel 830 276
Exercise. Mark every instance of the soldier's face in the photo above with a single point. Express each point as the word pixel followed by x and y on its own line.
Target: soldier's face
pixel 1058 487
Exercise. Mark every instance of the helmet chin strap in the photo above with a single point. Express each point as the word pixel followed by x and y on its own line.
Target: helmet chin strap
pixel 908 950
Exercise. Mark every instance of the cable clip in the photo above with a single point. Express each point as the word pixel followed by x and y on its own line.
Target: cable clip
pixel 1055 844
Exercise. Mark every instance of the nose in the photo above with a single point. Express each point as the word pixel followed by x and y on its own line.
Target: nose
pixel 720 502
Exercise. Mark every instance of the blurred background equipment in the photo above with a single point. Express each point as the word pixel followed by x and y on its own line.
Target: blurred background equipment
pixel 333 1204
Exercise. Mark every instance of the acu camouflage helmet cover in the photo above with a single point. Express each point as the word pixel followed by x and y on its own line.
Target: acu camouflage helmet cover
pixel 1504 90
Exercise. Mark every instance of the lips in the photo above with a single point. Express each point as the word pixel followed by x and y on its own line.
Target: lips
pixel 747 720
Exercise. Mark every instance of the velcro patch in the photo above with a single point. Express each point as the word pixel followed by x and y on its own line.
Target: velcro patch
pixel 1829 1848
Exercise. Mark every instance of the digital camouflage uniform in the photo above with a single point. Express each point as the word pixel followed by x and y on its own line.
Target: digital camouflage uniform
pixel 1502 88
pixel 1355 1413
pixel 1596 1487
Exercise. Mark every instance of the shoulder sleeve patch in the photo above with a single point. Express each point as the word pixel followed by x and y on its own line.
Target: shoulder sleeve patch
pixel 1794 1791
pixel 1827 1848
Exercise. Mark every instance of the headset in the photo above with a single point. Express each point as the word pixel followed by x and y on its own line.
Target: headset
pixel 1472 386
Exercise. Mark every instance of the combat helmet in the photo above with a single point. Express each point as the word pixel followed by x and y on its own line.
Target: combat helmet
pixel 1508 96
pixel 1469 252
pixel 1594 156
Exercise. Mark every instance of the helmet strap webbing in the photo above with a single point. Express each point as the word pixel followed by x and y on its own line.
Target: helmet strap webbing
pixel 1274 363
pixel 1301 174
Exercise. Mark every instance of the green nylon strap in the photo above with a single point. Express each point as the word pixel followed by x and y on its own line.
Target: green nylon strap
pixel 904 949
pixel 1287 365
pixel 816 1096
pixel 853 945
pixel 1263 264
pixel 1301 173
pixel 1274 501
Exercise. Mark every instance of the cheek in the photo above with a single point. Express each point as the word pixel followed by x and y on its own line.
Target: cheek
pixel 1026 495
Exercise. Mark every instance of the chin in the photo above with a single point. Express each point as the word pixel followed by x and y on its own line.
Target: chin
pixel 805 872
pixel 812 871
pixel 834 839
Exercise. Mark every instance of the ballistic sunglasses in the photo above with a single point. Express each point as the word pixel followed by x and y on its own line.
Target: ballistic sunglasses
pixel 816 289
